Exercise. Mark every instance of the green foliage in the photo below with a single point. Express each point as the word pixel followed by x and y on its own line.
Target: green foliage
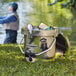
pixel 13 63
pixel 54 15
pixel 49 14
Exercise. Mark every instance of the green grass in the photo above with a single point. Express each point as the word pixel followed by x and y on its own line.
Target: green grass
pixel 13 63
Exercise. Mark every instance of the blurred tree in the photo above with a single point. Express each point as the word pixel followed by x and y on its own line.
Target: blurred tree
pixel 55 15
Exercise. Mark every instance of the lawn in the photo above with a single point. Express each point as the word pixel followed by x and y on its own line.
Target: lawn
pixel 13 63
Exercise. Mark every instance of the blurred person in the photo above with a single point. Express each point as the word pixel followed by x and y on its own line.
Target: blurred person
pixel 11 23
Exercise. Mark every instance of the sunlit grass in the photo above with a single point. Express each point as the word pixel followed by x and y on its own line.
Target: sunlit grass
pixel 13 63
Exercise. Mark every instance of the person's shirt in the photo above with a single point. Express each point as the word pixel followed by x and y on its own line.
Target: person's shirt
pixel 11 21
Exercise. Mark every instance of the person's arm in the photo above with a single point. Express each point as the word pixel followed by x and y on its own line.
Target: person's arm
pixel 1 17
pixel 8 19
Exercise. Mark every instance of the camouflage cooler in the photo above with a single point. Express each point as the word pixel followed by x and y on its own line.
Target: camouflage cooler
pixel 40 41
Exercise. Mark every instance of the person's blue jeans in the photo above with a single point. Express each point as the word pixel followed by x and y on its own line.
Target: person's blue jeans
pixel 11 36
